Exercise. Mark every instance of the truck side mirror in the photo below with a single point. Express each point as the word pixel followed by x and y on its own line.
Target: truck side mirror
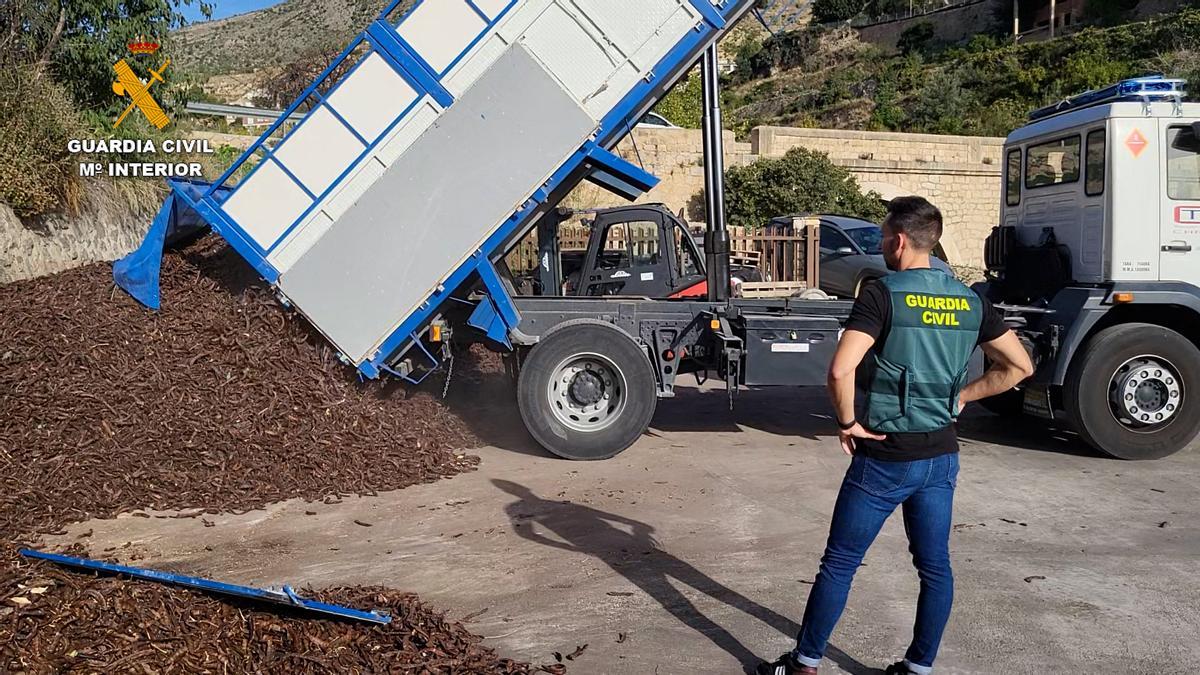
pixel 844 250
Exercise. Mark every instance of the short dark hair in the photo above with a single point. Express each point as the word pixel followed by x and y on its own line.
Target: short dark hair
pixel 917 218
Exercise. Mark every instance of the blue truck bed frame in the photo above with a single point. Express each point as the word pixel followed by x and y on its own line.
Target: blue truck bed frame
pixel 198 202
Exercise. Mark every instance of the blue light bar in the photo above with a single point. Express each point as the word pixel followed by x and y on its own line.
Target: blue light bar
pixel 1141 89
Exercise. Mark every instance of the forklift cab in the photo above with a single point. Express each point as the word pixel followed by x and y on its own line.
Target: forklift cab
pixel 640 250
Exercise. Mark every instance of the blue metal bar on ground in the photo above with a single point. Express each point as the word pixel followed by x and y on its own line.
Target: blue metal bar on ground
pixel 286 597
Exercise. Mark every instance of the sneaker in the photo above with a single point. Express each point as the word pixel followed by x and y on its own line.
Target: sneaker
pixel 898 668
pixel 784 665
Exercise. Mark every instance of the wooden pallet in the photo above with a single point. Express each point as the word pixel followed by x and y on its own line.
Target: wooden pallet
pixel 771 289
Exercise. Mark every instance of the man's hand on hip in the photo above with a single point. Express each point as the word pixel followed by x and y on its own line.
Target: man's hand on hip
pixel 848 437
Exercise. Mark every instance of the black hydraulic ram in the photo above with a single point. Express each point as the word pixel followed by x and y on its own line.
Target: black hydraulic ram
pixel 716 238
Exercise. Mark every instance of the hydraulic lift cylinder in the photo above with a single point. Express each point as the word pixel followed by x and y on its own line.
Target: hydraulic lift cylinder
pixel 716 238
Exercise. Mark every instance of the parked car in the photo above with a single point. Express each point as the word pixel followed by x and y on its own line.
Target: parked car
pixel 851 253
pixel 654 120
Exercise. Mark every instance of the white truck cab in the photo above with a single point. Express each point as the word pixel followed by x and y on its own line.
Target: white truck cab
pixel 1118 184
pixel 1097 263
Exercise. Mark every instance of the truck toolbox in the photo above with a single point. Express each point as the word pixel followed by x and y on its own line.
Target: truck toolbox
pixel 789 350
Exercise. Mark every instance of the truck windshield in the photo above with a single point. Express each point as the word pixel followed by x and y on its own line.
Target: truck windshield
pixel 869 239
pixel 1183 163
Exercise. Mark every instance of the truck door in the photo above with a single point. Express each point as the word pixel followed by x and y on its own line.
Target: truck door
pixel 1179 259
pixel 688 278
pixel 626 256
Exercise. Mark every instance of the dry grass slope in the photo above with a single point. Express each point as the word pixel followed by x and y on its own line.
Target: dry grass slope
pixel 272 37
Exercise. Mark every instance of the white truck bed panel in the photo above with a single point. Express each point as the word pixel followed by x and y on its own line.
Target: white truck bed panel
pixel 383 257
pixel 388 185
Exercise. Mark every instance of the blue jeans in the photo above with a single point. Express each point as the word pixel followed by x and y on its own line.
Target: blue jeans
pixel 870 493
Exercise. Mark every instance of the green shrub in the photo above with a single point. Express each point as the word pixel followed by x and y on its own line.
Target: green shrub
pixel 80 40
pixel 888 115
pixel 37 118
pixel 684 105
pixel 916 38
pixel 828 11
pixel 802 181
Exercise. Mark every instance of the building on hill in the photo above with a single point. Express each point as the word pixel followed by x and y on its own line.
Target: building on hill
pixel 1024 20
pixel 954 22
pixel 1046 18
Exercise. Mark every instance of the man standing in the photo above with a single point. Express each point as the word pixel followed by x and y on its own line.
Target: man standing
pixel 916 329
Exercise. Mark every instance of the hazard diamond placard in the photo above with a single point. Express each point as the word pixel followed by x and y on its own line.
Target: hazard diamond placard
pixel 1136 143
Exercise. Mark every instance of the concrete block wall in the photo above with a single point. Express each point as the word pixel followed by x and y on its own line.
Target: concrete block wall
pixel 960 174
pixel 950 24
pixel 674 155
pixel 103 231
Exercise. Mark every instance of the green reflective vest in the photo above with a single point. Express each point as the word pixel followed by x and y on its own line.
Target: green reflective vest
pixel 917 375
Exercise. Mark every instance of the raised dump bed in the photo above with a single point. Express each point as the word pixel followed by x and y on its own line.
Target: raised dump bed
pixel 429 146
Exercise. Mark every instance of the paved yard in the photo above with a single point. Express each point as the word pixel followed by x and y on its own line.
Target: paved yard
pixel 692 552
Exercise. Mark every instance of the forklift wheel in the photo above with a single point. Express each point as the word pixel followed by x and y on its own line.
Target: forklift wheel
pixel 586 391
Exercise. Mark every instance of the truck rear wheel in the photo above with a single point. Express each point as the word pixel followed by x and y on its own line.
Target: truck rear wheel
pixel 1134 391
pixel 586 391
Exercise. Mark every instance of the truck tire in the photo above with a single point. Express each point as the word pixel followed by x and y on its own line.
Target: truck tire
pixel 586 391
pixel 1134 391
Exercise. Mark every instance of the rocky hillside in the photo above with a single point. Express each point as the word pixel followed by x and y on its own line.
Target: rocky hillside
pixel 274 36
pixel 279 35
pixel 826 77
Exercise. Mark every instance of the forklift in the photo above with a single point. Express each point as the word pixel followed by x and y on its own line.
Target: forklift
pixel 641 250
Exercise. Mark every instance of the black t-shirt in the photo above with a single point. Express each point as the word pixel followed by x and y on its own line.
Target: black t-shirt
pixel 872 314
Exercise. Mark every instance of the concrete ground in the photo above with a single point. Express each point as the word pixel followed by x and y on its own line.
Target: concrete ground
pixel 693 551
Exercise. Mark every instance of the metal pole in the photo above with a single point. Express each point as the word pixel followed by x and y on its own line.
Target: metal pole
pixel 1016 19
pixel 716 238
pixel 1052 12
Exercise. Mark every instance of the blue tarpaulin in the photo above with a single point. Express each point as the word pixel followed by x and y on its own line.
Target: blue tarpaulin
pixel 138 272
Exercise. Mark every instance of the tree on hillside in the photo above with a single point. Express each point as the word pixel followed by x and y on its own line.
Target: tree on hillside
pixel 78 41
pixel 829 11
pixel 802 181
pixel 282 89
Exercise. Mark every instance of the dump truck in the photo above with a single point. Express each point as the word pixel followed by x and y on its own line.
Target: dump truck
pixel 445 132
pixel 1096 263
pixel 431 146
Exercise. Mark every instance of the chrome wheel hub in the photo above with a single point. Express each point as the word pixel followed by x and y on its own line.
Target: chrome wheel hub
pixel 587 392
pixel 1145 392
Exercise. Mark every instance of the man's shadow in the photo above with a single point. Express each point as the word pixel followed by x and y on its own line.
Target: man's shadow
pixel 637 556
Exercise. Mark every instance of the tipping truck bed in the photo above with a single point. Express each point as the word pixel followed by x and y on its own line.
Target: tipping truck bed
pixel 428 147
